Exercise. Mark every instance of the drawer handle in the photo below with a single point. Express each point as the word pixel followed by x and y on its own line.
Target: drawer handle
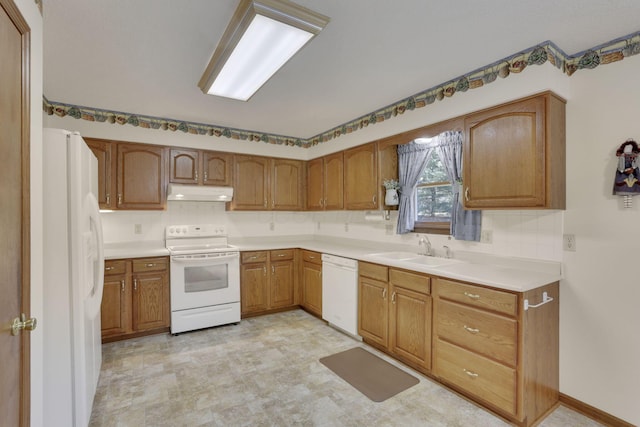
pixel 109 268
pixel 135 284
pixel 470 373
pixel 384 293
pixel 122 285
pixel 280 254
pixel 472 296
pixel 393 297
pixel 471 330
pixel 149 265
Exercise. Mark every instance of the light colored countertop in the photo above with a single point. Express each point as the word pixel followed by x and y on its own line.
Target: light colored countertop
pixel 515 274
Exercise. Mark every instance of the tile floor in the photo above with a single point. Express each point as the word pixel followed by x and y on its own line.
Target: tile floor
pixel 265 372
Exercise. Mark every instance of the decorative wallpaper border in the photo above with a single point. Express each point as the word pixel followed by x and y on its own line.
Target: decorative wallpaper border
pixel 613 51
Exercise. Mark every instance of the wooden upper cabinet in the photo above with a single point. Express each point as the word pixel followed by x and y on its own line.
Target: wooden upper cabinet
pixel 286 185
pixel 199 167
pixel 106 171
pixel 250 183
pixel 325 183
pixel 140 176
pixel 514 155
pixel 361 177
pixel 184 166
pixel 216 168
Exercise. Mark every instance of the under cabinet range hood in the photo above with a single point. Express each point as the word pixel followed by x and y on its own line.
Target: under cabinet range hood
pixel 199 193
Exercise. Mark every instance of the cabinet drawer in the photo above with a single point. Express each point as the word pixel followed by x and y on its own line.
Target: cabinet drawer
pixel 477 296
pixel 415 282
pixel 257 256
pixel 115 267
pixel 313 257
pixel 149 264
pixel 373 271
pixel 488 380
pixel 281 254
pixel 486 333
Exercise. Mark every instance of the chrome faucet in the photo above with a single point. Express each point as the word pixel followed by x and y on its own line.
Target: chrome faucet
pixel 427 245
pixel 447 251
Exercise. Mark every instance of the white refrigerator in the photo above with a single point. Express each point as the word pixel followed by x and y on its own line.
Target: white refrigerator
pixel 73 279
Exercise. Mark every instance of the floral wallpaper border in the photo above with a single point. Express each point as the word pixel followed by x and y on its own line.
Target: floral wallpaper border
pixel 613 51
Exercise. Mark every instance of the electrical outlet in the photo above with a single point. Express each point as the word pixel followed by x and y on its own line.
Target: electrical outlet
pixel 346 226
pixel 137 228
pixel 272 226
pixel 486 236
pixel 569 242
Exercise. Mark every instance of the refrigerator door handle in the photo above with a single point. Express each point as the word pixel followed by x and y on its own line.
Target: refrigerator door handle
pixel 93 303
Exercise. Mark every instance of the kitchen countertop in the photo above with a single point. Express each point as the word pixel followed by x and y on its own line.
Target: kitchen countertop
pixel 515 274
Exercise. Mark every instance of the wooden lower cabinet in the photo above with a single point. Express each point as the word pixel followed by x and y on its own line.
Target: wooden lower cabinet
pixel 136 298
pixel 394 312
pixel 267 281
pixel 311 280
pixel 489 348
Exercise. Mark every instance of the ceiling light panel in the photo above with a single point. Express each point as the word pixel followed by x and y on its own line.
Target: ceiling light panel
pixel 261 37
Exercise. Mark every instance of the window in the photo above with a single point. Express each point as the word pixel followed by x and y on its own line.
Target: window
pixel 434 198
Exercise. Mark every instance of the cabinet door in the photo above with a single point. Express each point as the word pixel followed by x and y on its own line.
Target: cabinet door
pixel 334 182
pixel 504 156
pixel 216 168
pixel 315 184
pixel 254 295
pixel 281 286
pixel 114 311
pixel 361 177
pixel 184 166
pixel 250 183
pixel 410 325
pixel 373 313
pixel 312 287
pixel 286 188
pixel 106 176
pixel 140 177
pixel 151 307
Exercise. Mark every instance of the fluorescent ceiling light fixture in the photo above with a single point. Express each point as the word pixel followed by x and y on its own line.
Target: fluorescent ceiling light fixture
pixel 261 37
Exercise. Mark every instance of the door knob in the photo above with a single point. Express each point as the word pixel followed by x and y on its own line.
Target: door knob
pixel 20 323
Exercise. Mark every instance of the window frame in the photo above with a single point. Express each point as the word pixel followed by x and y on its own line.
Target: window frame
pixel 432 227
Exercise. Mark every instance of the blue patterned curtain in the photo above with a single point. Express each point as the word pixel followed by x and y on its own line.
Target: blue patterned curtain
pixel 465 224
pixel 412 158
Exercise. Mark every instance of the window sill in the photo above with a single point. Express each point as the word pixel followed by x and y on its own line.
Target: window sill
pixel 432 228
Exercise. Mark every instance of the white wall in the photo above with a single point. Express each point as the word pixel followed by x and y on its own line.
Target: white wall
pixel 30 12
pixel 599 314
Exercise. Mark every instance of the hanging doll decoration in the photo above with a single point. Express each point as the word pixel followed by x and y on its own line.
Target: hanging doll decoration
pixel 627 181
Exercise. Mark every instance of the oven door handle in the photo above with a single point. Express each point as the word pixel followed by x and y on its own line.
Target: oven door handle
pixel 187 260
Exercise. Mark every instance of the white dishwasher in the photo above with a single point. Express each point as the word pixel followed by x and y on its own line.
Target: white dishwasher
pixel 340 293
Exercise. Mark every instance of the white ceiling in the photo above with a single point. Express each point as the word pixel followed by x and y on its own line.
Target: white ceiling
pixel 146 56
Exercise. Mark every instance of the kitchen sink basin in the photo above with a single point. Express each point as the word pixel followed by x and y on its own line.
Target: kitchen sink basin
pixel 432 261
pixel 398 256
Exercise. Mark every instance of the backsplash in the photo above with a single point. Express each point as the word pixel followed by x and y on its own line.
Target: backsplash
pixel 527 234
